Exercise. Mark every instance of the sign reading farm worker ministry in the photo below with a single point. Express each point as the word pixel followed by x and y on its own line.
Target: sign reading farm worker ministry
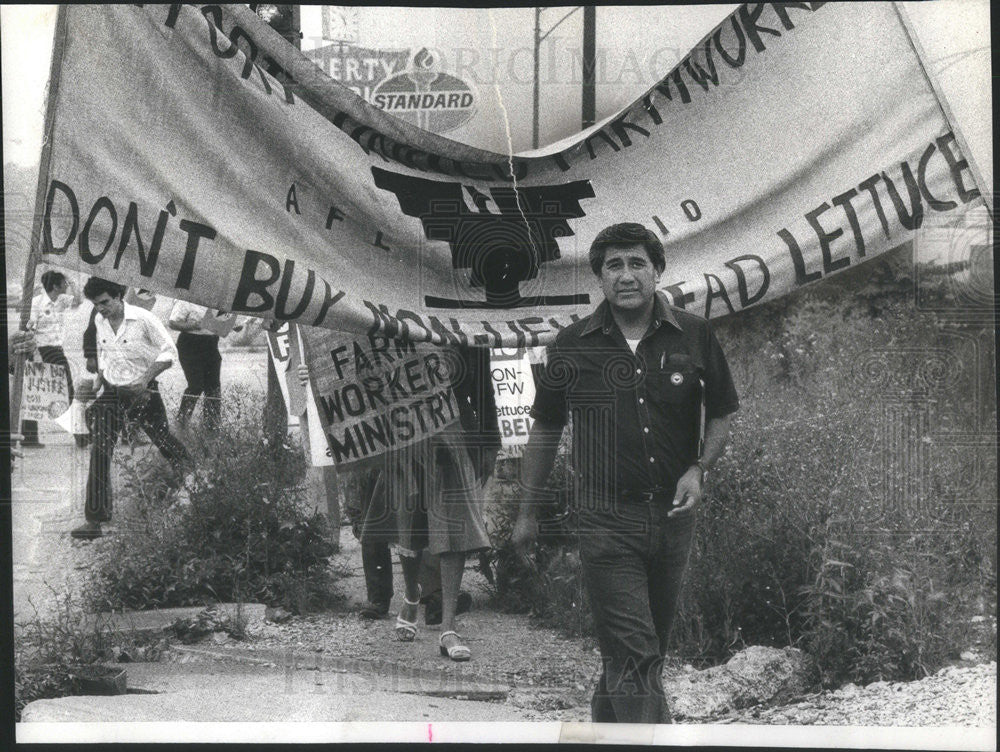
pixel 376 394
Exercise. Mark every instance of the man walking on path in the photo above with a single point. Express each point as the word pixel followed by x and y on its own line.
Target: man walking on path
pixel 133 348
pixel 640 379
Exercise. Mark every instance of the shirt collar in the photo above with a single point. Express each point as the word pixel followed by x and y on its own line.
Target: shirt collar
pixel 602 319
pixel 128 313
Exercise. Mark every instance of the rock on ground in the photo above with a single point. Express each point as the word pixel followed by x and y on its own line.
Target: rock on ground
pixel 755 676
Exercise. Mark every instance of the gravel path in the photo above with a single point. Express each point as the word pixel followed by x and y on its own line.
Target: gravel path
pixel 954 696
pixel 552 676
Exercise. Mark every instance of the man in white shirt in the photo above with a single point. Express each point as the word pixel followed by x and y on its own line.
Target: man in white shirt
pixel 133 348
pixel 47 321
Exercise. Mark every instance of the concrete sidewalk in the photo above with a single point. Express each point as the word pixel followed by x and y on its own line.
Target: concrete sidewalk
pixel 215 684
pixel 47 487
pixel 180 692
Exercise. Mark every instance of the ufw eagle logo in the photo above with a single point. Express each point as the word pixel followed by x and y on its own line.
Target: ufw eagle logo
pixel 501 249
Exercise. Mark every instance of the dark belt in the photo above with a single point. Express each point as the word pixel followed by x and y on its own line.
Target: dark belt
pixel 654 495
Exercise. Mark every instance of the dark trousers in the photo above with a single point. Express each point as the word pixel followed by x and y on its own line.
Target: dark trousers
pixel 55 355
pixel 202 366
pixel 109 413
pixel 633 559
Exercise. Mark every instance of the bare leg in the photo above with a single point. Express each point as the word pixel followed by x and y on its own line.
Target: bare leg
pixel 411 578
pixel 452 567
pixel 407 618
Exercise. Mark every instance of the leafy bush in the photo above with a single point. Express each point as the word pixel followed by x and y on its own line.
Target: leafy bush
pixel 246 533
pixel 840 519
pixel 843 518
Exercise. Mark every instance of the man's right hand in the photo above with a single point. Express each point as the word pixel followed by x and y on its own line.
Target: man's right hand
pixel 303 374
pixel 524 534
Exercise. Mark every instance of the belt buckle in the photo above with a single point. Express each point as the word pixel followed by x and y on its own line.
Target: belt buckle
pixel 650 495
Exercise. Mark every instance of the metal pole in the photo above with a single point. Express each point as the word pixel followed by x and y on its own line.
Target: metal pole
pixel 297 26
pixel 534 101
pixel 589 108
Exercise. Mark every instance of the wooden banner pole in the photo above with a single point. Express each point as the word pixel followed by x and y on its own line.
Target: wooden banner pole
pixel 34 252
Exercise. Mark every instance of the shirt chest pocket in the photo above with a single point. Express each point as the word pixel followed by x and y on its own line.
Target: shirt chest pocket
pixel 676 383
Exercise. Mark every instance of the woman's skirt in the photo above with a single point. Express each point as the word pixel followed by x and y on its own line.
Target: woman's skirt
pixel 428 497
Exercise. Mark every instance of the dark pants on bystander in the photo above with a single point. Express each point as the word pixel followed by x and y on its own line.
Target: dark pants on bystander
pixel 633 559
pixel 202 366
pixel 110 412
pixel 55 355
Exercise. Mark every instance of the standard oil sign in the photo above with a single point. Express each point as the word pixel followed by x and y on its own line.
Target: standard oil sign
pixel 428 98
pixel 408 83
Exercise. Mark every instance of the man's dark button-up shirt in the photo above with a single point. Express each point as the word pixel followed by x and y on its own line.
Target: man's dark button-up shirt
pixel 635 416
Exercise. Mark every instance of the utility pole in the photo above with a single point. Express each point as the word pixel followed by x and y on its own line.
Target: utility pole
pixel 589 112
pixel 534 93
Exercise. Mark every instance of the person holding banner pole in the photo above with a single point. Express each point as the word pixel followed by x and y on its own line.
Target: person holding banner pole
pixel 19 343
pixel 133 348
pixel 427 499
pixel 376 561
pixel 650 395
pixel 201 361
pixel 48 321
pixel 376 554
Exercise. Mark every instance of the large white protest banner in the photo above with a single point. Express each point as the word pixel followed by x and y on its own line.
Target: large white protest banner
pixel 796 141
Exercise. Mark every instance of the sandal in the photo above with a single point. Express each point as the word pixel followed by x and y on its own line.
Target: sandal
pixel 406 631
pixel 457 652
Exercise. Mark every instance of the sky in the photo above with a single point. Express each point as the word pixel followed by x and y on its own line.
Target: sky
pixel 636 46
pixel 493 48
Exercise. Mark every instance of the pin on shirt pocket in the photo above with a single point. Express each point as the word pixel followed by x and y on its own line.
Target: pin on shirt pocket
pixel 675 381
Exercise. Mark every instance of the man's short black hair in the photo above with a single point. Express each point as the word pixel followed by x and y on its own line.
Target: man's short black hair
pixel 626 233
pixel 52 279
pixel 95 286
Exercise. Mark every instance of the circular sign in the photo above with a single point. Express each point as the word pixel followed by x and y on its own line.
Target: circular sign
pixel 429 99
